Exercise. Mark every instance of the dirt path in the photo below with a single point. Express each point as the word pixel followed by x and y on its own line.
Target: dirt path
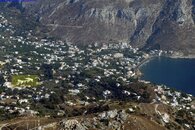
pixel 156 109
pixel 2 126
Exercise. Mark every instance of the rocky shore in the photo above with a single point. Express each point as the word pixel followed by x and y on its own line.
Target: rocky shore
pixel 181 55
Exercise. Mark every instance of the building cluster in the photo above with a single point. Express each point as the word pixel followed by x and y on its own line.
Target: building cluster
pixel 77 66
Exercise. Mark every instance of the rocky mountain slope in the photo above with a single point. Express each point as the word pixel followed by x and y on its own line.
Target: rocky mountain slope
pixel 165 24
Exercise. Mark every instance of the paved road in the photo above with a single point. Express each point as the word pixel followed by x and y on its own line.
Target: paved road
pixel 65 26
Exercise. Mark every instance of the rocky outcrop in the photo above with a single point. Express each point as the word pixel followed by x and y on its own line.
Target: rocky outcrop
pixel 146 117
pixel 165 24
pixel 71 125
pixel 113 119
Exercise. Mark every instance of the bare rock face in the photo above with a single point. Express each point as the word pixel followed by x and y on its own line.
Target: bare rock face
pixel 165 24
pixel 71 125
pixel 113 119
pixel 174 27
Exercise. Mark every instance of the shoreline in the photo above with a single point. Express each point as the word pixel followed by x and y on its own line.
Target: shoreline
pixel 182 56
pixel 145 61
pixel 138 72
pixel 173 56
pixel 168 56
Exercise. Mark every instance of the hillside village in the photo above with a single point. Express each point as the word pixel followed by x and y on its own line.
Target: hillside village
pixel 71 76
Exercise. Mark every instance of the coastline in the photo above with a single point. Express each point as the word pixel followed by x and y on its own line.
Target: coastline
pixel 138 72
pixel 182 57
pixel 145 61
pixel 178 58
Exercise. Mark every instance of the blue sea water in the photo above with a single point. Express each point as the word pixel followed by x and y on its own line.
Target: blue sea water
pixel 175 73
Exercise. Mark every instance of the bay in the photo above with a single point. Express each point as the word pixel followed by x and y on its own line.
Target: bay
pixel 175 73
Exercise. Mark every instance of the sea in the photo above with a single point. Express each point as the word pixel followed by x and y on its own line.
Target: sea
pixel 177 73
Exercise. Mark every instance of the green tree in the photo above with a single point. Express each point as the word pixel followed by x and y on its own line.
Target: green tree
pixel 2 80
